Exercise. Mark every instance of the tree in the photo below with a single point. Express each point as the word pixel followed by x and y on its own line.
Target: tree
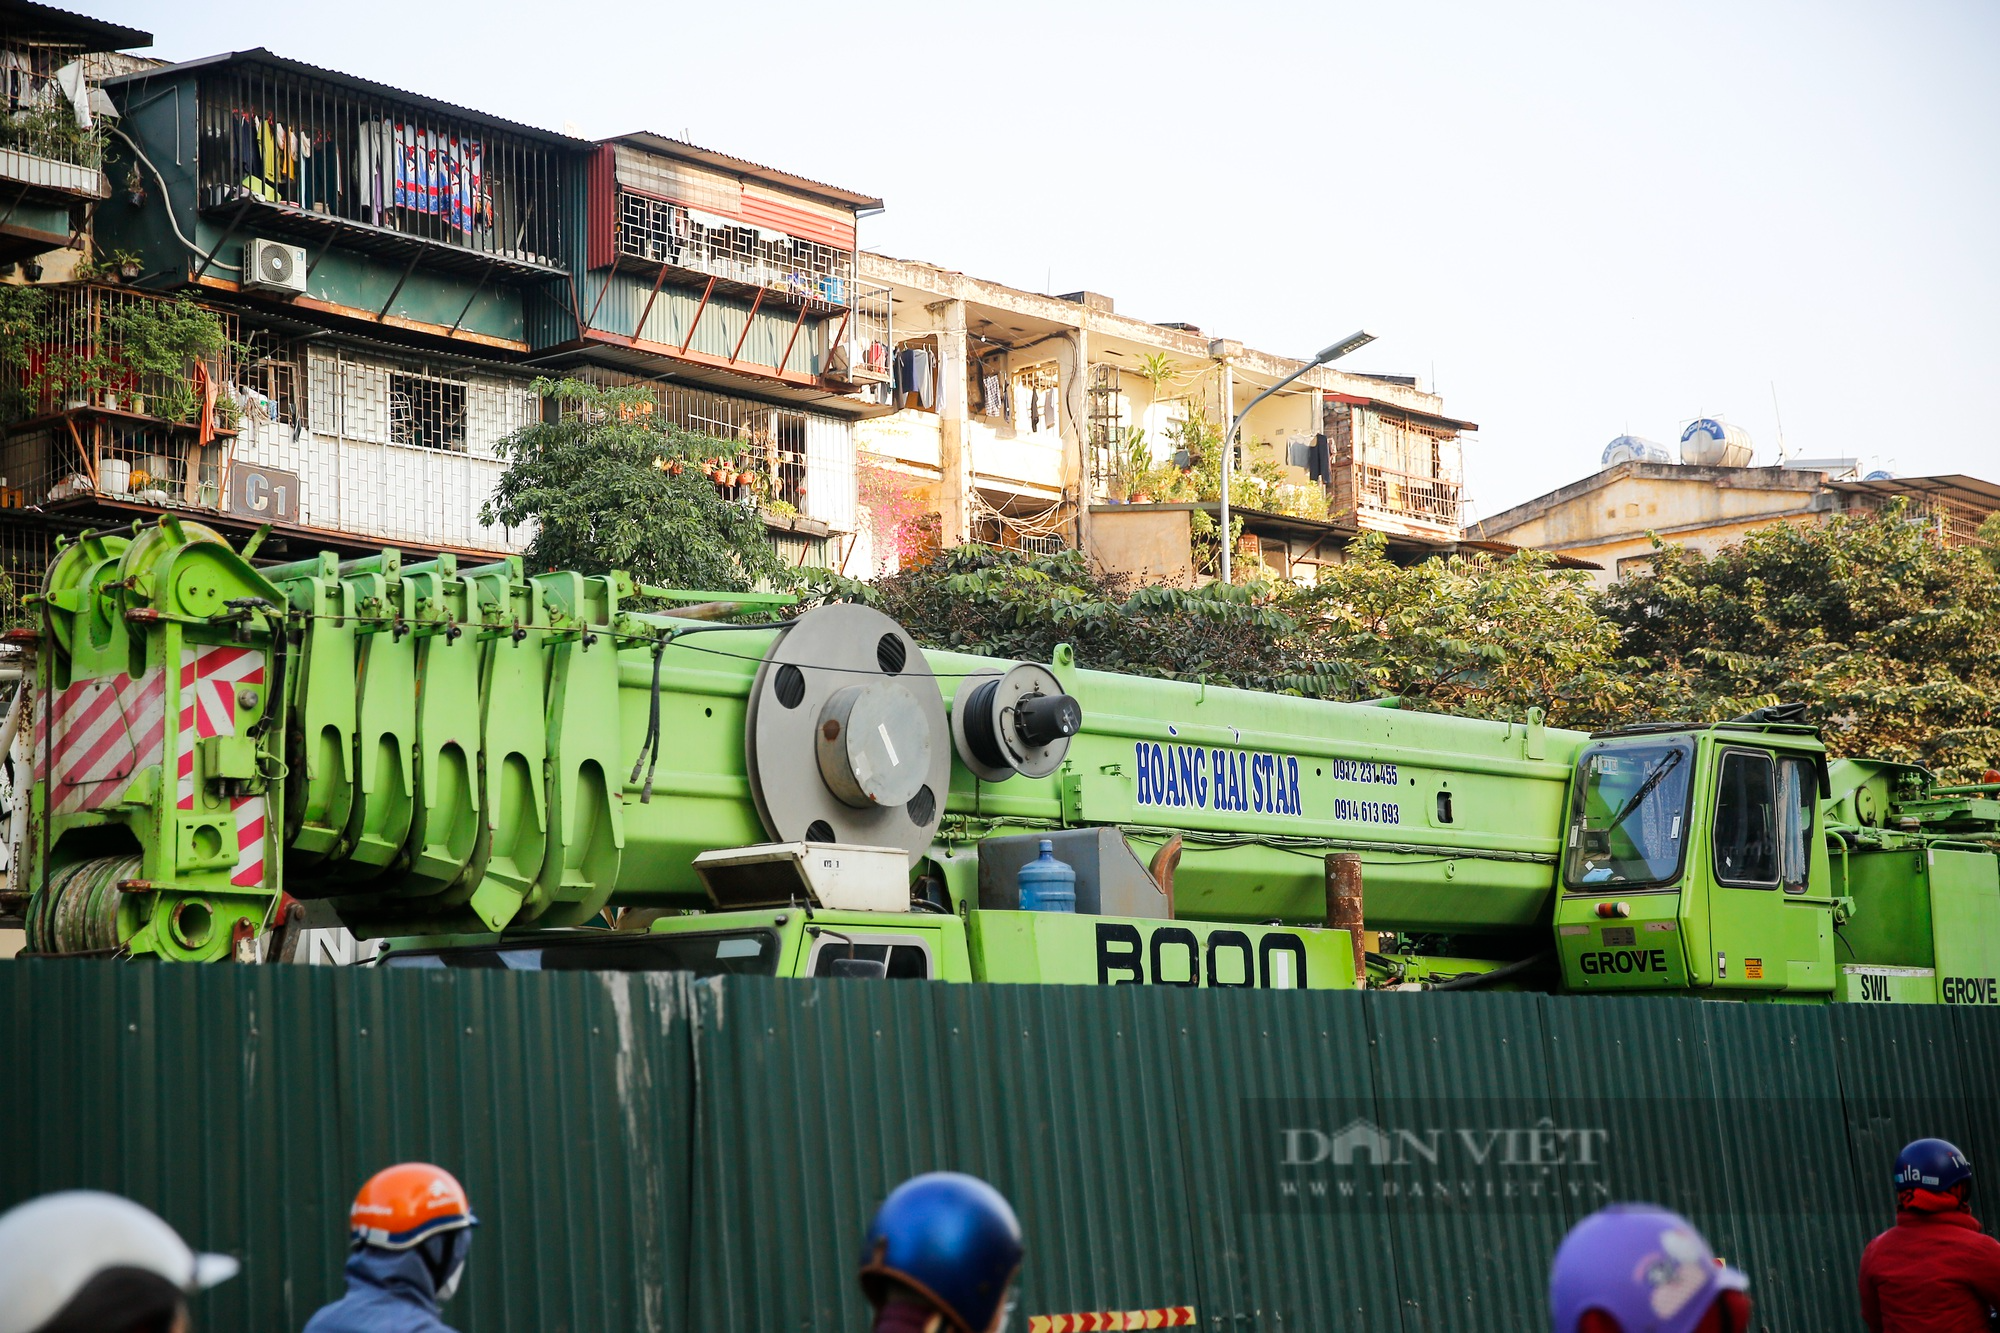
pixel 1008 604
pixel 1466 634
pixel 1891 639
pixel 600 484
pixel 1490 638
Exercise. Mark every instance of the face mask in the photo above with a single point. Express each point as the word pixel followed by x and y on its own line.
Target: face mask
pixel 447 1253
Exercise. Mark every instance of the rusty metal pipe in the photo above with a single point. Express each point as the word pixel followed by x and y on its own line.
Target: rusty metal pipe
pixel 1344 903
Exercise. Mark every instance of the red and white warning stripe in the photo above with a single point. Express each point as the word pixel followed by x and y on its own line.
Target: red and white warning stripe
pixel 1169 1316
pixel 210 676
pixel 107 728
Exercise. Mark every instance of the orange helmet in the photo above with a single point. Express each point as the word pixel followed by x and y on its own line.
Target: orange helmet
pixel 402 1205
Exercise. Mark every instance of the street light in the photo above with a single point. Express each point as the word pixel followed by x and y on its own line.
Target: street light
pixel 1353 342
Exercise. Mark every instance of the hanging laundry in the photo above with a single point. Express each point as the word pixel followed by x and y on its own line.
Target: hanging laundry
pixel 1320 467
pixel 277 165
pixel 76 88
pixel 1034 409
pixel 991 394
pixel 423 171
pixel 375 165
pixel 914 375
pixel 17 76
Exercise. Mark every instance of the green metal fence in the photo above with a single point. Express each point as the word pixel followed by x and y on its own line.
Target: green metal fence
pixel 650 1153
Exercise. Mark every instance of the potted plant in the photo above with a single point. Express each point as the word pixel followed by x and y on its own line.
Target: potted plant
pixel 125 263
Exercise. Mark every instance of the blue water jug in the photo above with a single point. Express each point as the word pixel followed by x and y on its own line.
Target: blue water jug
pixel 1047 885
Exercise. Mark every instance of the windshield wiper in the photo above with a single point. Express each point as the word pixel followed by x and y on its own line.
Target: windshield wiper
pixel 1653 779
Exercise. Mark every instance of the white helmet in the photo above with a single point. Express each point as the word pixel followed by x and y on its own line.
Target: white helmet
pixel 90 1258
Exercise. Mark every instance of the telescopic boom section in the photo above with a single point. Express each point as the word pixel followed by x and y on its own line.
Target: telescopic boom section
pixel 431 748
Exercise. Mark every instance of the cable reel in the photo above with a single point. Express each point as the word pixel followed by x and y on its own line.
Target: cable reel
pixel 1017 721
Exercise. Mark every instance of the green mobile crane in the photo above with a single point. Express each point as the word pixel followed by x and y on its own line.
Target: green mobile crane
pixel 489 767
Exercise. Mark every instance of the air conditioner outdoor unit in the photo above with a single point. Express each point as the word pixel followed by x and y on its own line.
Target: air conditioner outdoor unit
pixel 272 266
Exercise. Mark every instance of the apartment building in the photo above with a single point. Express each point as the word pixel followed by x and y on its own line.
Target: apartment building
pixel 1041 422
pixel 345 293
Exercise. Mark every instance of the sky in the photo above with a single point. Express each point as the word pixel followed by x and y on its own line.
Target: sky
pixel 1574 220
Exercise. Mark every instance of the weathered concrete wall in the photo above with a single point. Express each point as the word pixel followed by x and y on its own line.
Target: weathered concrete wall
pixel 1143 544
pixel 1608 516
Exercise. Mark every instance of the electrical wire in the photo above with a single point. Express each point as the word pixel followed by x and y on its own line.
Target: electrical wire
pixel 166 205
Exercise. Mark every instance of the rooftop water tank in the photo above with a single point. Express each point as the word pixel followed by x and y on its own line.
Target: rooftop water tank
pixel 1708 442
pixel 1632 449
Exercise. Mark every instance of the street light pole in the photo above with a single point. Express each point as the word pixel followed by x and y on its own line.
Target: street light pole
pixel 1353 342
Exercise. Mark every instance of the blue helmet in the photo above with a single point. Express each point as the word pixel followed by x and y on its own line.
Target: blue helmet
pixel 953 1240
pixel 1634 1268
pixel 1931 1164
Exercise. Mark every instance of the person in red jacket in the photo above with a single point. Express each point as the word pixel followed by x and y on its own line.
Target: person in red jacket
pixel 1935 1271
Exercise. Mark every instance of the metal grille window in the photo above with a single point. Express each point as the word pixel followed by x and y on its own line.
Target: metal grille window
pixel 661 231
pixel 312 156
pixel 804 459
pixel 270 380
pixel 427 411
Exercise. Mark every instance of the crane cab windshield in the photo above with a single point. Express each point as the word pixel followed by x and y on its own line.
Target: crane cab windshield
pixel 1629 814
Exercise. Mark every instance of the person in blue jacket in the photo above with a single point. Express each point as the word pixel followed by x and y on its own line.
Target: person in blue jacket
pixel 410 1228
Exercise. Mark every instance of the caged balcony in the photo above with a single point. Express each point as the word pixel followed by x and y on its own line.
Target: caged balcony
pixel 286 147
pixel 702 236
pixel 112 394
pixel 1394 468
pixel 45 144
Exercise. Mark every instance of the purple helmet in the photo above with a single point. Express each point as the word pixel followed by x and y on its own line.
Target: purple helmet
pixel 1642 1269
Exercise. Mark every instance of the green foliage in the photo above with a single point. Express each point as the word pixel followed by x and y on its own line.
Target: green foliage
pixel 1486 637
pixel 1006 604
pixel 1989 540
pixel 1467 634
pixel 1159 370
pixel 48 129
pixel 1892 640
pixel 163 338
pixel 595 482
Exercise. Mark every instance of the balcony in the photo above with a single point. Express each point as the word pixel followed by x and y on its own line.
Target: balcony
pixel 745 260
pixel 110 394
pixel 285 148
pixel 41 145
pixel 1406 498
pixel 49 164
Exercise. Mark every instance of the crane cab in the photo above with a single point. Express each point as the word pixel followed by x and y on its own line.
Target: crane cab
pixel 1693 858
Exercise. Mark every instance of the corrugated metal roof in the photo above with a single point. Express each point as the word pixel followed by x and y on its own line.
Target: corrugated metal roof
pixel 708 157
pixel 25 20
pixel 1953 488
pixel 1384 405
pixel 271 60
